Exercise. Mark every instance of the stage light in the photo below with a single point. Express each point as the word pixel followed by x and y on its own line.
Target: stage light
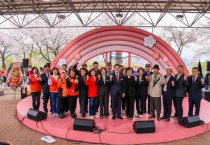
pixel 119 16
pixel 61 17
pixel 179 17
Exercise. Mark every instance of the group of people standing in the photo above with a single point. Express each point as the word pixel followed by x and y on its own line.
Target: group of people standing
pixel 118 89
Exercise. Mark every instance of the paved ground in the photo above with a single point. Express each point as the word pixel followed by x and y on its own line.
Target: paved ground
pixel 15 132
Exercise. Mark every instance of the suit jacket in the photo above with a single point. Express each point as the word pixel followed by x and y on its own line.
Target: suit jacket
pixel 103 87
pixel 44 82
pixel 181 84
pixel 83 89
pixel 117 86
pixel 142 88
pixel 150 73
pixel 130 86
pixel 169 87
pixel 195 89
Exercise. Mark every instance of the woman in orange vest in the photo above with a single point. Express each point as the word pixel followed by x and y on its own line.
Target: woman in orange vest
pixel 62 93
pixel 91 82
pixel 73 91
pixel 34 81
pixel 53 83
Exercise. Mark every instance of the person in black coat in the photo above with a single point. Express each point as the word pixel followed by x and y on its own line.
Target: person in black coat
pixel 124 98
pixel 142 91
pixel 168 94
pixel 83 92
pixel 147 74
pixel 180 91
pixel 196 83
pixel 103 91
pixel 46 88
pixel 117 90
pixel 130 92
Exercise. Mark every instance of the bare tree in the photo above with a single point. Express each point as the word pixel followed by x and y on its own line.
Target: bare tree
pixel 6 48
pixel 180 37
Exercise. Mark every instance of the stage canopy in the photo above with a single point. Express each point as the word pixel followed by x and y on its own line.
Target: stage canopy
pixel 21 13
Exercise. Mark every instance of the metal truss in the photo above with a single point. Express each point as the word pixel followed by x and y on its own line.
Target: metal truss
pixel 16 14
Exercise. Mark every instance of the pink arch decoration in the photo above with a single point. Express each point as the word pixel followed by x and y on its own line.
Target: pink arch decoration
pixel 119 38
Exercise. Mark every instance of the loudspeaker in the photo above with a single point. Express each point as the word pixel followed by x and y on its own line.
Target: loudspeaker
pixel 190 121
pixel 23 92
pixel 25 63
pixel 144 126
pixel 208 66
pixel 36 115
pixel 84 124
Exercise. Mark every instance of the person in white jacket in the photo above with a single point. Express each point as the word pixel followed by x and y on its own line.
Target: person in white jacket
pixel 157 80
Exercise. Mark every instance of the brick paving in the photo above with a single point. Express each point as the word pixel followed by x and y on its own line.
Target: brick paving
pixel 15 132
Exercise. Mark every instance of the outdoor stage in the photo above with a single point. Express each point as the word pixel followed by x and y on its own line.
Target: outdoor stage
pixel 116 131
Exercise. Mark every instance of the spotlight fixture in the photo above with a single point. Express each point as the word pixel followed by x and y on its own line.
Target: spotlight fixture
pixel 179 17
pixel 61 17
pixel 119 16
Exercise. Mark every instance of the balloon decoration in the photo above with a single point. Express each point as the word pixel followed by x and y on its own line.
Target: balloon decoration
pixel 156 56
pixel 77 56
pixel 61 62
pixel 165 59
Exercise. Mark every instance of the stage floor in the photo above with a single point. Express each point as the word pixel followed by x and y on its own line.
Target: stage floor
pixel 116 131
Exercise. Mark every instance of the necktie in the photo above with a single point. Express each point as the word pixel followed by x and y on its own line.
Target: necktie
pixel 193 80
pixel 117 75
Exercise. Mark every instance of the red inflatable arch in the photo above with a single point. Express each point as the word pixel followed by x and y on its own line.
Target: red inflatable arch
pixel 119 38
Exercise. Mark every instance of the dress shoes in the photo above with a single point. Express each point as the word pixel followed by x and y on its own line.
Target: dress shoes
pixel 113 117
pixel 152 116
pixel 168 119
pixel 119 117
pixel 163 117
pixel 158 117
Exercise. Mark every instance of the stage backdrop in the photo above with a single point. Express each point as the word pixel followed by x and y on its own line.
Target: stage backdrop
pixel 120 38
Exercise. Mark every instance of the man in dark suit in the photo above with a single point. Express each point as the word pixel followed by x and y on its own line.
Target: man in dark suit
pixel 196 83
pixel 109 68
pixel 117 90
pixel 147 74
pixel 180 90
pixel 46 88
pixel 96 67
pixel 168 94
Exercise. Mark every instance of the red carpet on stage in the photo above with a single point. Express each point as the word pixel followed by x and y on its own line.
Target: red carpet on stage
pixel 116 131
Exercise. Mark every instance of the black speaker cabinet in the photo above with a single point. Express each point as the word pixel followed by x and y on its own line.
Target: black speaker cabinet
pixel 190 121
pixel 144 126
pixel 84 124
pixel 25 63
pixel 208 66
pixel 23 92
pixel 36 115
